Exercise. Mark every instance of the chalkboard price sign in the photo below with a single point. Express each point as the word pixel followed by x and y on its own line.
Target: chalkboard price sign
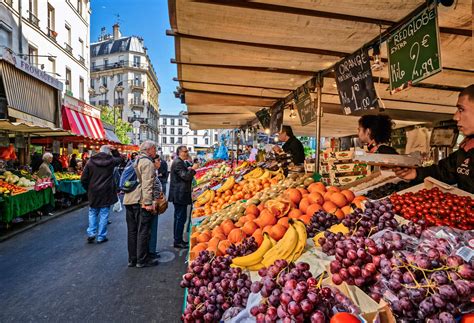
pixel 414 51
pixel 276 118
pixel 355 84
pixel 305 107
pixel 264 117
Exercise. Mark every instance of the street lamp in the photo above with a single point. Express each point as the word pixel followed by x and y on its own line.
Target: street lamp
pixel 119 89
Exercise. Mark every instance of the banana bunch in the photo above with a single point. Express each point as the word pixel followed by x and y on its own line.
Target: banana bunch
pixel 290 248
pixel 266 174
pixel 242 166
pixel 228 184
pixel 205 197
pixel 255 173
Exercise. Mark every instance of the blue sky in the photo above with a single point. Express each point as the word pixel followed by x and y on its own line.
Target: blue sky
pixel 148 19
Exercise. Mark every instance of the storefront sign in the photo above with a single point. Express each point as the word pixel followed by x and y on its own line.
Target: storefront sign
pixel 26 67
pixel 305 106
pixel 80 106
pixel 355 84
pixel 414 51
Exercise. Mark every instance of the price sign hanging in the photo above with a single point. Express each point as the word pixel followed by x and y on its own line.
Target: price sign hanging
pixel 414 51
pixel 355 84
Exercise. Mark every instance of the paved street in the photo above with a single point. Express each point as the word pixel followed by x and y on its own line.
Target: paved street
pixel 50 274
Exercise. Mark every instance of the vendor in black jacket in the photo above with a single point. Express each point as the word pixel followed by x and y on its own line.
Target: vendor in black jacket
pixel 291 145
pixel 457 168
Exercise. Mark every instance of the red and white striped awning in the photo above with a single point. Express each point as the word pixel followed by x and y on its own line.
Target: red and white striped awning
pixel 82 124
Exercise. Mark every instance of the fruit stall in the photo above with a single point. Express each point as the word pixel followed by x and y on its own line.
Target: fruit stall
pixel 298 250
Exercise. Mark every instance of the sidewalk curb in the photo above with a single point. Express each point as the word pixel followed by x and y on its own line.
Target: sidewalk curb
pixel 44 220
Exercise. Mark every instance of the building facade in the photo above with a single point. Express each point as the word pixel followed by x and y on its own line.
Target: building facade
pixel 52 36
pixel 175 132
pixel 123 78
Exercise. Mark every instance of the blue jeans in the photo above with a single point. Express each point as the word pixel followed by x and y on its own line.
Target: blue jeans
pixel 180 216
pixel 103 214
pixel 154 235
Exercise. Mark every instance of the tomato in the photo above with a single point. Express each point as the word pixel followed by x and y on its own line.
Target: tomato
pixel 343 317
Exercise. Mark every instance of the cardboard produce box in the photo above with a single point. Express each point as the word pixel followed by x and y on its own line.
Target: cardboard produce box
pixel 430 183
pixel 388 160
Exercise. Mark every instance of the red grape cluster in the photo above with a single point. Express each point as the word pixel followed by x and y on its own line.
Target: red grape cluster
pixel 356 261
pixel 291 294
pixel 328 242
pixel 247 246
pixel 213 287
pixel 320 221
pixel 412 228
pixel 424 286
pixel 377 216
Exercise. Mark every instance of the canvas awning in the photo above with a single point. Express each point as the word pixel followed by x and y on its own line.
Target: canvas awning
pixel 111 136
pixel 32 130
pixel 234 57
pixel 82 124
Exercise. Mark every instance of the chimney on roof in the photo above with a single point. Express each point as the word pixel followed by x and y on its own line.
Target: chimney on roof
pixel 116 29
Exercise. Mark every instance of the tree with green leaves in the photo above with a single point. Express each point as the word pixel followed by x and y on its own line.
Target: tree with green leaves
pixel 122 128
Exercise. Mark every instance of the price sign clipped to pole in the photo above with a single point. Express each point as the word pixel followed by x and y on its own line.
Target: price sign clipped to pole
pixel 414 51
pixel 305 107
pixel 276 117
pixel 355 84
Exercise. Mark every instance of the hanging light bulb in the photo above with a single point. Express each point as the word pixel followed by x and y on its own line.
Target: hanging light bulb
pixel 292 112
pixel 267 131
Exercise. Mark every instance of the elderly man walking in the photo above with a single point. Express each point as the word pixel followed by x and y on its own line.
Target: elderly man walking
pixel 180 193
pixel 98 180
pixel 140 207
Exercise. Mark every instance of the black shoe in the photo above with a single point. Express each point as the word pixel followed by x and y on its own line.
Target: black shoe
pixel 90 239
pixel 132 263
pixel 153 255
pixel 181 245
pixel 102 241
pixel 149 263
pixel 109 222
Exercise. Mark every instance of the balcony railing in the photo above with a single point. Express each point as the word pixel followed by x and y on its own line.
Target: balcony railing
pixel 139 119
pixel 121 64
pixel 68 48
pixel 82 60
pixel 120 101
pixel 33 19
pixel 137 103
pixel 52 34
pixel 137 85
pixel 103 102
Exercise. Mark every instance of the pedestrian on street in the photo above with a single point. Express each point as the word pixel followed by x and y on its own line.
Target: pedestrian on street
pixel 98 180
pixel 139 206
pixel 180 192
pixel 46 170
pixel 157 191
pixel 163 174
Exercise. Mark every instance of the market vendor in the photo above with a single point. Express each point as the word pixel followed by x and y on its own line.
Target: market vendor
pixel 457 168
pixel 375 132
pixel 291 145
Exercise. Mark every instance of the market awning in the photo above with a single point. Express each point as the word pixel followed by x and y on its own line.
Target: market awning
pixel 111 136
pixel 235 57
pixel 32 130
pixel 82 124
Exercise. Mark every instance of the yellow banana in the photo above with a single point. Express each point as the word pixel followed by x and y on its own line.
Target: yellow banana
pixel 283 248
pixel 256 267
pixel 203 198
pixel 243 165
pixel 302 236
pixel 255 257
pixel 266 174
pixel 228 184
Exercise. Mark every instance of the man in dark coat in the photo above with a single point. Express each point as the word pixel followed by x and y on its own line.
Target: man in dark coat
pixel 163 174
pixel 98 180
pixel 180 192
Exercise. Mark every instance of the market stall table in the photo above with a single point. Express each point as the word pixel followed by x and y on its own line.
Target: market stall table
pixel 21 204
pixel 73 187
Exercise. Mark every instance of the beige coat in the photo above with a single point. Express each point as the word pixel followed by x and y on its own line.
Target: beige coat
pixel 143 193
pixel 44 171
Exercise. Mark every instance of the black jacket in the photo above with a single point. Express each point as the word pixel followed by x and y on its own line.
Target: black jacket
pixel 180 182
pixel 296 149
pixel 457 168
pixel 163 172
pixel 98 179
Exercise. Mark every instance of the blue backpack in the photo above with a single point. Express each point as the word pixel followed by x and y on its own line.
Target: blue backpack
pixel 129 181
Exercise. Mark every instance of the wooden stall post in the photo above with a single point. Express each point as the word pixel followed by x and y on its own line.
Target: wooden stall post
pixel 319 115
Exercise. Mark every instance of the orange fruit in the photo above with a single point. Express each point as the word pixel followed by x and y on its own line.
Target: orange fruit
pixel 295 213
pixel 339 199
pixel 304 204
pixel 306 218
pixel 316 198
pixel 313 208
pixel 329 207
pixel 349 195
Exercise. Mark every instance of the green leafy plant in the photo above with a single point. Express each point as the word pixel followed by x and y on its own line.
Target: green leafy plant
pixel 122 128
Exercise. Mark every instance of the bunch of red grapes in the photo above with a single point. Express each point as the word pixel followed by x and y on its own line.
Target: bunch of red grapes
pixel 321 221
pixel 247 246
pixel 213 287
pixel 290 293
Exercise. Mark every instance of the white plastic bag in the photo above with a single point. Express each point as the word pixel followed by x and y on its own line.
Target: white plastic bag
pixel 117 207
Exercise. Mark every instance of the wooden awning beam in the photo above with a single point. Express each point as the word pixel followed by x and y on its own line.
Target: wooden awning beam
pixel 238 85
pixel 230 94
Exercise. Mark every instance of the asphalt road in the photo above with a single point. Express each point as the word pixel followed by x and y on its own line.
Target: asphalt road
pixel 50 274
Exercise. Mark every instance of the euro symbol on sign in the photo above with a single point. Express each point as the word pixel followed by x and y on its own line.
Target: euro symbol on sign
pixel 424 42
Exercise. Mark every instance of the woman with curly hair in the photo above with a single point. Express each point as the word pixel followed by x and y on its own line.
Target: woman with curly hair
pixel 375 131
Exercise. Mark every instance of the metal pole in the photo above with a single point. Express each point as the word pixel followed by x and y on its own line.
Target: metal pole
pixel 319 113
